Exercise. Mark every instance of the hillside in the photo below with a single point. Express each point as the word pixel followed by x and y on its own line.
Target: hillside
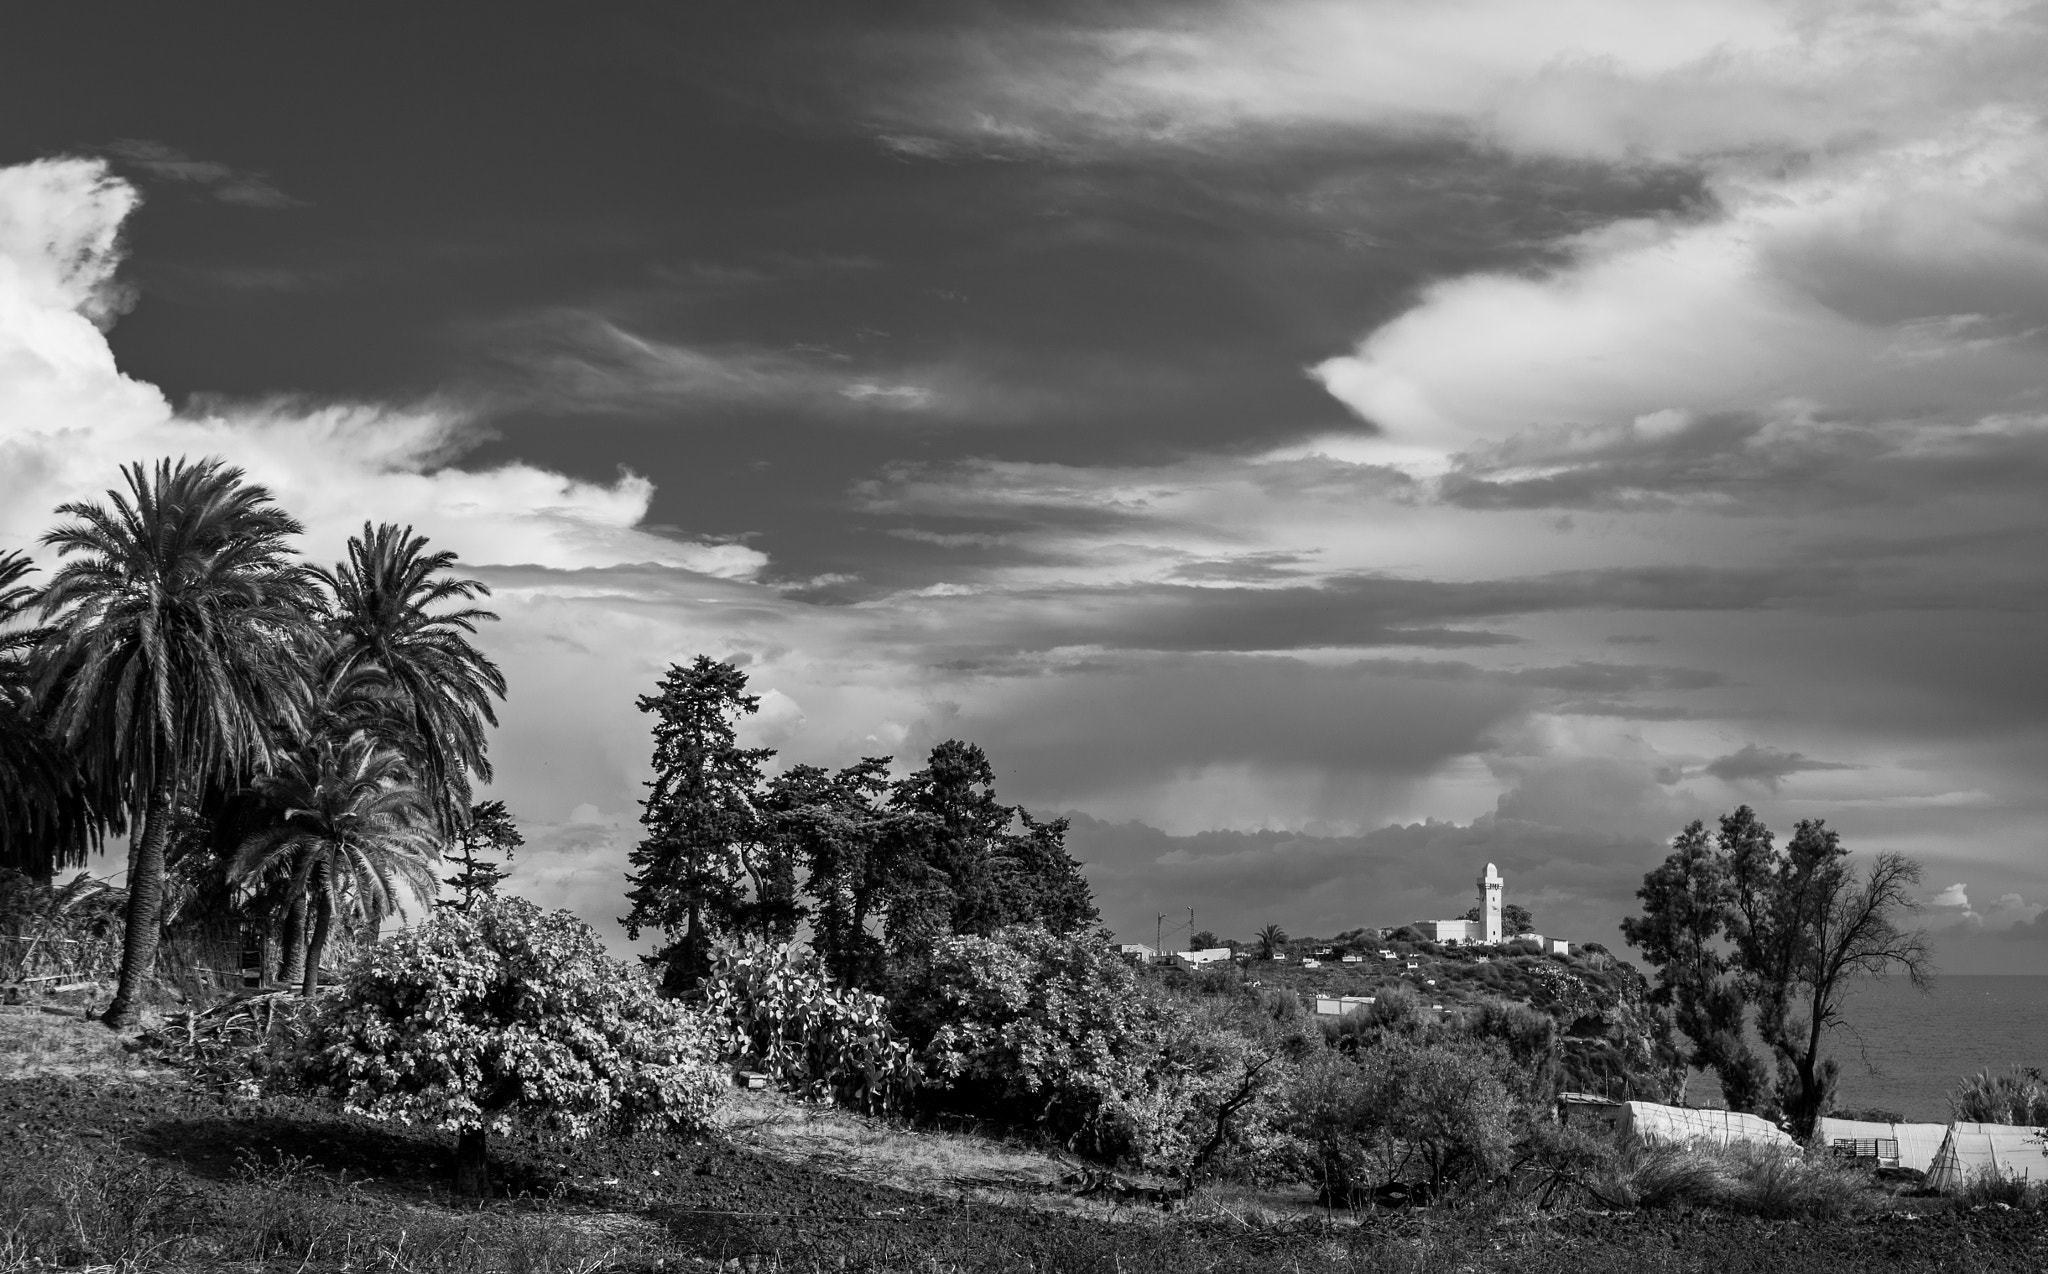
pixel 1613 1040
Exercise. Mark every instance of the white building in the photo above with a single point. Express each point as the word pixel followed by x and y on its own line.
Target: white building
pixel 1136 952
pixel 1488 928
pixel 1199 959
pixel 1449 931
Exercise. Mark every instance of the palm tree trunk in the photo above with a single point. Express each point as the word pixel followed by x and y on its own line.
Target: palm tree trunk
pixel 145 904
pixel 291 961
pixel 323 924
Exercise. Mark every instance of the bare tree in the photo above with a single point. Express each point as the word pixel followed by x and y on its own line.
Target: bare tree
pixel 1841 927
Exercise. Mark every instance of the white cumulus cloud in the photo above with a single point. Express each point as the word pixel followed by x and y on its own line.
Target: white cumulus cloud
pixel 69 418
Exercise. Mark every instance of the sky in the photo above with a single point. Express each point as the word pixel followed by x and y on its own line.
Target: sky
pixel 1321 448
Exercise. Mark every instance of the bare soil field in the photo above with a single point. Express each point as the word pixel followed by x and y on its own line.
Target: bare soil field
pixel 105 1164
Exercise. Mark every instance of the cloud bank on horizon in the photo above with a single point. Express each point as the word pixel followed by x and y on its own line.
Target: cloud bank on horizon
pixel 1665 503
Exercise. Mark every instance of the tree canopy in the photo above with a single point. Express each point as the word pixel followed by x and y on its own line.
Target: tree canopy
pixel 1744 933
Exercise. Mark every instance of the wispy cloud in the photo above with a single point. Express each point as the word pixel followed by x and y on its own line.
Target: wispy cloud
pixel 223 182
pixel 582 360
pixel 1766 767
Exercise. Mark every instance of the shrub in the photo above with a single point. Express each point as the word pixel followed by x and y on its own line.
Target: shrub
pixel 781 1013
pixel 1765 1181
pixel 1664 1175
pixel 2019 1096
pixel 467 1020
pixel 1531 1038
pixel 1781 1184
pixel 1031 1029
pixel 1214 1088
pixel 1439 1110
pixel 1990 1186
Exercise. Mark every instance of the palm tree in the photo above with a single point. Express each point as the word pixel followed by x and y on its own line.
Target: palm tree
pixel 49 817
pixel 441 685
pixel 1271 939
pixel 352 834
pixel 169 663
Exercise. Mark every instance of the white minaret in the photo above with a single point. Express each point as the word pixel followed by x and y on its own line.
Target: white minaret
pixel 1490 887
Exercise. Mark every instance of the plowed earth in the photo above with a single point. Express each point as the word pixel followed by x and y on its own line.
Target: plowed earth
pixel 717 1202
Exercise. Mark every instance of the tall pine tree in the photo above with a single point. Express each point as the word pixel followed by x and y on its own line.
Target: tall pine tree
pixel 690 874
pixel 490 831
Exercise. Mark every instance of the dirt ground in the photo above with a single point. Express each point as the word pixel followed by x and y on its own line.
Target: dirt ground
pixel 775 1188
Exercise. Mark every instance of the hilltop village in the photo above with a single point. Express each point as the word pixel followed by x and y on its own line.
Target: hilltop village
pixel 1493 927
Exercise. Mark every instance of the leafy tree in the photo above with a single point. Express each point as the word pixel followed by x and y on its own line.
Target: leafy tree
pixel 1686 906
pixel 168 663
pixel 1042 882
pixel 837 826
pixel 950 882
pixel 1514 918
pixel 471 1019
pixel 1802 927
pixel 51 817
pixel 489 831
pixel 700 814
pixel 1271 939
pixel 383 602
pixel 1204 940
pixel 947 861
pixel 351 835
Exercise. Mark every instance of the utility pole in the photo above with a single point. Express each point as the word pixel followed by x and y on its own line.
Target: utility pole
pixel 1159 937
pixel 1191 928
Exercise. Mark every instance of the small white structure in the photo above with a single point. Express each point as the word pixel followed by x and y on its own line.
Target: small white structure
pixel 1354 958
pixel 1892 1145
pixel 1137 952
pixel 1650 1121
pixel 1974 1150
pixel 1311 964
pixel 1449 932
pixel 1558 946
pixel 1340 1005
pixel 1201 959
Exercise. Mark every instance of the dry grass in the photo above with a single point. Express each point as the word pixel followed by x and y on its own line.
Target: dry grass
pixel 1748 1180
pixel 74 1210
pixel 34 1041
pixel 884 1151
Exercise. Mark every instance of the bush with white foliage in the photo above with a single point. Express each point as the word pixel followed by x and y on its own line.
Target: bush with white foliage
pixel 469 1021
pixel 777 1011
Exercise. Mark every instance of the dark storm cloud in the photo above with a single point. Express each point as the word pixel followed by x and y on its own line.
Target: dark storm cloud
pixel 1769 767
pixel 1090 733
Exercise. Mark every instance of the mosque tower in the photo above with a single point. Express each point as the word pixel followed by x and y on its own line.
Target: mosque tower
pixel 1490 888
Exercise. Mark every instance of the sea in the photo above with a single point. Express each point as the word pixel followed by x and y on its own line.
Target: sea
pixel 1902 1050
